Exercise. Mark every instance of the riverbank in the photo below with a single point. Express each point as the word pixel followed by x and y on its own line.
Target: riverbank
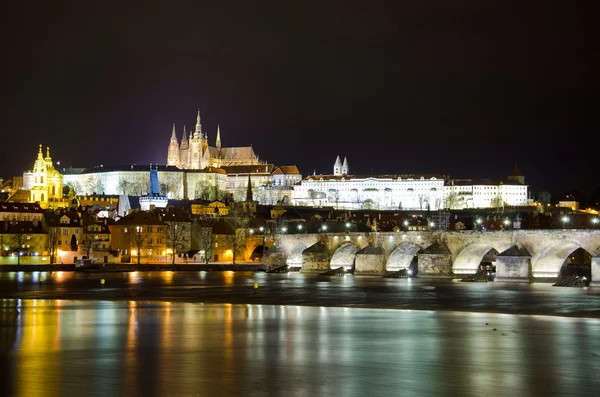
pixel 131 267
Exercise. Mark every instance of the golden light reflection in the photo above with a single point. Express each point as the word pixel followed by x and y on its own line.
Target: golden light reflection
pixel 228 334
pixel 130 351
pixel 228 277
pixel 167 276
pixel 39 340
pixel 134 277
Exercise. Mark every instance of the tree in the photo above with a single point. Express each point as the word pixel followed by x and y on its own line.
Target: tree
pixel 312 194
pixel 496 202
pixel 450 201
pixel 124 185
pixel 138 236
pixel 202 190
pixel 94 185
pixel 177 236
pixel 87 241
pixel 204 234
pixel 20 242
pixel 334 197
pixel 52 243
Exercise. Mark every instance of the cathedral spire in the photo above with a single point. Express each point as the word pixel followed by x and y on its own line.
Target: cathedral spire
pixel 47 152
pixel 40 154
pixel 198 132
pixel 173 135
pixel 218 143
pixel 249 190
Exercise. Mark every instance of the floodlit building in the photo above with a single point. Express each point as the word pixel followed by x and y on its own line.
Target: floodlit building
pixel 343 190
pixel 44 183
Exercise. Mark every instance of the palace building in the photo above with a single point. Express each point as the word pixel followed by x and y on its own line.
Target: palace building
pixel 343 190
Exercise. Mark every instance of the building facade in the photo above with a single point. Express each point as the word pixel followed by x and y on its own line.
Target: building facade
pixel 194 153
pixel 44 182
pixel 342 190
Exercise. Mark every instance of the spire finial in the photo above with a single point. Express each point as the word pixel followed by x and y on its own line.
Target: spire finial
pixel 198 132
pixel 173 135
pixel 218 142
pixel 47 152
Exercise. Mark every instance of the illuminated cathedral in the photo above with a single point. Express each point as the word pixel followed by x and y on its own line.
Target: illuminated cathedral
pixel 194 153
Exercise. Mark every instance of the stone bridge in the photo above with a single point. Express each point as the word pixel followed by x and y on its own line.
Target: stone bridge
pixel 519 255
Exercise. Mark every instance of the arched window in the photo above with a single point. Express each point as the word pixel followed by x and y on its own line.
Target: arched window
pixel 42 197
pixel 41 179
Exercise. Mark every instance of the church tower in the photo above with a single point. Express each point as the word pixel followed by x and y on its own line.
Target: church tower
pixel 337 167
pixel 516 176
pixel 196 145
pixel 38 190
pixel 173 152
pixel 345 167
pixel 184 150
pixel 46 188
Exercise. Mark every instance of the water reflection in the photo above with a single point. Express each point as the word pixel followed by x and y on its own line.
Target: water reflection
pixel 61 348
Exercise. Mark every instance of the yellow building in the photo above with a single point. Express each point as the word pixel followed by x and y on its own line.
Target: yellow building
pixel 44 182
pixel 140 237
pixel 203 207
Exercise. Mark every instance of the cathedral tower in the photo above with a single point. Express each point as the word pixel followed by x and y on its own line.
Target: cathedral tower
pixel 173 153
pixel 196 139
pixel 184 150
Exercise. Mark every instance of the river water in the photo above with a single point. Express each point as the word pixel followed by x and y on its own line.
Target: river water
pixel 70 335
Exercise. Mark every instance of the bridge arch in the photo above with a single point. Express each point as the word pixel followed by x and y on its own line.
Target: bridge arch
pixel 401 257
pixel 294 259
pixel 344 256
pixel 468 260
pixel 551 258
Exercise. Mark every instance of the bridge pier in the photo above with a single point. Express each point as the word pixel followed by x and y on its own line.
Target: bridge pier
pixel 514 265
pixel 595 271
pixel 370 260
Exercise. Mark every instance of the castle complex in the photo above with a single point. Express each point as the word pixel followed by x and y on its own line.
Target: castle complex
pixel 196 170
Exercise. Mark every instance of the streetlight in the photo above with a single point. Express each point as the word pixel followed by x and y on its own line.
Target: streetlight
pixel 262 229
pixel 284 229
pixel 299 227
pixel 565 220
pixel 324 228
pixel 478 221
pixel 594 221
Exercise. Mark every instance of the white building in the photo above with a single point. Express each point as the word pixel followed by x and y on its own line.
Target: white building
pixel 409 192
pixel 209 183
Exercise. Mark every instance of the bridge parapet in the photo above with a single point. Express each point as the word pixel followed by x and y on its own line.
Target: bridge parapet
pixel 549 249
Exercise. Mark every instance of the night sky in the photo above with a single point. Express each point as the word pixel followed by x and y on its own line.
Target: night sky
pixel 466 88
